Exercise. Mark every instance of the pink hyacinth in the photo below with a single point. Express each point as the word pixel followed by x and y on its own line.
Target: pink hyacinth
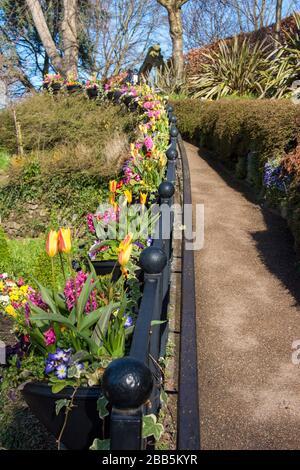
pixel 149 105
pixel 36 299
pixel 138 145
pixel 90 223
pixel 73 290
pixel 49 337
pixel 137 178
pixel 148 142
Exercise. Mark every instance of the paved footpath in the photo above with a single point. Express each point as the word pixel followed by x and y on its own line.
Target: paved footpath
pixel 248 296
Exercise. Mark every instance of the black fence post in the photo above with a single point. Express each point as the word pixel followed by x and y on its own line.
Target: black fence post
pixel 127 384
pixel 174 136
pixel 171 154
pixel 169 110
pixel 153 262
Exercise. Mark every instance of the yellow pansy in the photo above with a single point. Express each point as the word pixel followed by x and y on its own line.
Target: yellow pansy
pixel 10 311
pixel 24 289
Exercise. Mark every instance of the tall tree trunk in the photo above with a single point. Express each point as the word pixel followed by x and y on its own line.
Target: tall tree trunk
pixel 44 33
pixel 176 34
pixel 173 8
pixel 69 62
pixel 69 36
pixel 278 19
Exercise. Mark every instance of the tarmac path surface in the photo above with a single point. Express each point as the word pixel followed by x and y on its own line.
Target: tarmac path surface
pixel 248 296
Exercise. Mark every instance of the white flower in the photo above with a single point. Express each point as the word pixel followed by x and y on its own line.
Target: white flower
pixel 4 299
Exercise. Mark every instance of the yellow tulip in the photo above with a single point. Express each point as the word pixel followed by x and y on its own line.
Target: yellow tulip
pixel 143 198
pixel 128 196
pixel 113 186
pixel 64 240
pixel 52 243
pixel 124 255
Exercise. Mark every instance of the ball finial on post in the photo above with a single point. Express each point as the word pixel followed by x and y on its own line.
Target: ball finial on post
pixel 153 260
pixel 171 153
pixel 166 190
pixel 127 383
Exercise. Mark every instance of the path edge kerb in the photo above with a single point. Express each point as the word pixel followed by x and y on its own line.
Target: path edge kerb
pixel 188 416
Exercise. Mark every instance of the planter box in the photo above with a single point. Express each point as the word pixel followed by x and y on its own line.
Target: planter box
pixel 83 424
pixel 92 93
pixel 116 96
pixel 52 88
pixel 73 88
pixel 103 268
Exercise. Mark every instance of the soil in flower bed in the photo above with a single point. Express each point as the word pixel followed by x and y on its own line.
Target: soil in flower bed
pixel 15 416
pixel 5 330
pixel 19 429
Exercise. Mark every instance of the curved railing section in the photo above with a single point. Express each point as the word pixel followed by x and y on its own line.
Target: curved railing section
pixel 132 384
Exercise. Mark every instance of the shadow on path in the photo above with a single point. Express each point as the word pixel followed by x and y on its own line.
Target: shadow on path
pixel 274 245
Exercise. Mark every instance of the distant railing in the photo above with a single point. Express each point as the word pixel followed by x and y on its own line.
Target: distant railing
pixel 132 384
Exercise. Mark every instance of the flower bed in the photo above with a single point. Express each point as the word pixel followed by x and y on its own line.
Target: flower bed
pixel 68 333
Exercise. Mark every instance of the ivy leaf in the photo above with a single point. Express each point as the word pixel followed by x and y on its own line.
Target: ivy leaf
pixel 151 427
pixel 59 404
pixel 163 397
pixel 102 403
pixel 158 322
pixel 58 386
pixel 100 445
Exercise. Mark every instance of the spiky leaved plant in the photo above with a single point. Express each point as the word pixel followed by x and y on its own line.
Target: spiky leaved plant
pixel 236 67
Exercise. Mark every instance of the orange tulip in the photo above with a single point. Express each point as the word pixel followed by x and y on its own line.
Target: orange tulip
pixel 52 243
pixel 143 198
pixel 113 186
pixel 128 196
pixel 111 199
pixel 126 242
pixel 64 240
pixel 124 255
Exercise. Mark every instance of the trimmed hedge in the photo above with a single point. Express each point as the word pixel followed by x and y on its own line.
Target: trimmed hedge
pixel 244 134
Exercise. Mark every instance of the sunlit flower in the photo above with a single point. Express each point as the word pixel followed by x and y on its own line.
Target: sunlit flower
pixel 113 186
pixel 124 255
pixel 143 198
pixel 64 240
pixel 52 243
pixel 61 372
pixel 128 196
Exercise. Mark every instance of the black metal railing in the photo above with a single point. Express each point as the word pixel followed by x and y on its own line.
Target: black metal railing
pixel 132 384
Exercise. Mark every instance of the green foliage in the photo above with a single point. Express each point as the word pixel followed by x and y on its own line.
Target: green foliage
pixel 244 134
pixel 239 67
pixel 5 256
pixel 99 444
pixel 166 81
pixel 72 147
pixel 234 68
pixel 233 128
pixel 4 160
pixel 151 427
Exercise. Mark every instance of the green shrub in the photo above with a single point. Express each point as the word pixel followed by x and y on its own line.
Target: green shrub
pixel 5 257
pixel 244 134
pixel 233 128
pixel 72 147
